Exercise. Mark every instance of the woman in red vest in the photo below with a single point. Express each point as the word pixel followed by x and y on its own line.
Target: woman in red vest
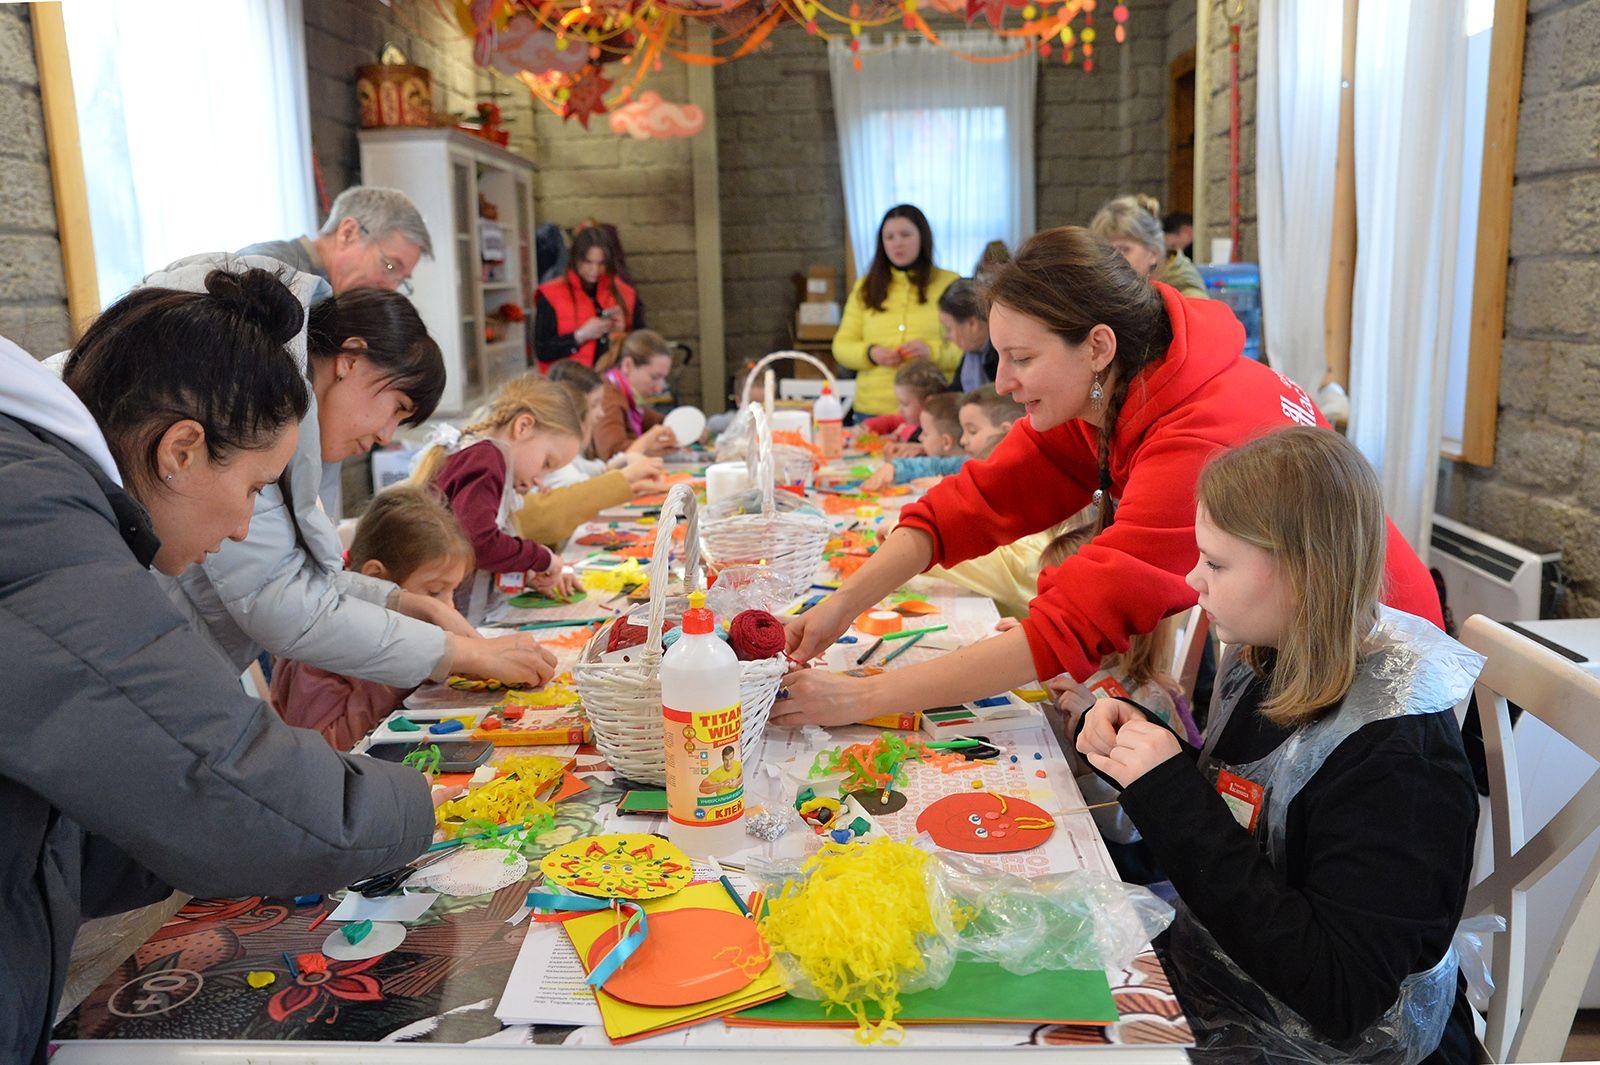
pixel 575 315
pixel 1130 387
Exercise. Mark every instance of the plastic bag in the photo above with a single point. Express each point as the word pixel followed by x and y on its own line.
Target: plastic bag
pixel 1471 947
pixel 1076 920
pixel 741 588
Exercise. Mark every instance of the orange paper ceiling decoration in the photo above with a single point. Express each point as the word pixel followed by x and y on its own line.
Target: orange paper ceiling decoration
pixel 583 58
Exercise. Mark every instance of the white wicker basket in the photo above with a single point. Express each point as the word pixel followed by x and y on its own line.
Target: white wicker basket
pixel 780 537
pixel 624 701
pixel 792 465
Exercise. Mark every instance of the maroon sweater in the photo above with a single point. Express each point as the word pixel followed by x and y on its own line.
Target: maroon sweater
pixel 474 481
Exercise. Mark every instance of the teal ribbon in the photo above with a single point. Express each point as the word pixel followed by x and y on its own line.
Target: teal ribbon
pixel 633 933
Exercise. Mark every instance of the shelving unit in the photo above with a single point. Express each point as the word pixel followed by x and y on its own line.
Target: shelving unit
pixel 445 171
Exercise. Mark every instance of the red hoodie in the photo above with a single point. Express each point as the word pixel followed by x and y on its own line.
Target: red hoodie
pixel 1202 398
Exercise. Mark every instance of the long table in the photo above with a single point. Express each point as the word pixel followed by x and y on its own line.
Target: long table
pixel 184 996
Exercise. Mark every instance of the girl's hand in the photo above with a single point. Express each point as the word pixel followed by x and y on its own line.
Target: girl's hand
pixel 915 349
pixel 424 608
pixel 658 441
pixel 1101 723
pixel 815 631
pixel 881 478
pixel 901 449
pixel 1007 624
pixel 883 356
pixel 593 329
pixel 1072 698
pixel 1140 747
pixel 821 697
pixel 642 470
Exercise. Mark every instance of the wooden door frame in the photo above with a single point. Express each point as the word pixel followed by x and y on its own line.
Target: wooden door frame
pixel 66 164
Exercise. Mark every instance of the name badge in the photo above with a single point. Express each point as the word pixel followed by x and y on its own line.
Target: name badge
pixel 1244 798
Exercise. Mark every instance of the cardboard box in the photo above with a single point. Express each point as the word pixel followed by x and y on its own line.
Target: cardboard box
pixel 822 285
pixel 817 313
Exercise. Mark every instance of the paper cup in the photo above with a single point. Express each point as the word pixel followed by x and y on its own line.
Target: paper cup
pixel 1221 250
pixel 724 479
pixel 792 421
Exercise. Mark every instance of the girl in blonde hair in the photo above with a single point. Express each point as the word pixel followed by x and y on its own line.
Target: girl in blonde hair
pixel 1132 225
pixel 530 428
pixel 1321 839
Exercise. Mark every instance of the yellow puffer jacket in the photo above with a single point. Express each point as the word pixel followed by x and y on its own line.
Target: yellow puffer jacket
pixel 901 321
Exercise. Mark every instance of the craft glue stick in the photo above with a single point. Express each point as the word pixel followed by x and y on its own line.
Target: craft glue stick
pixel 702 723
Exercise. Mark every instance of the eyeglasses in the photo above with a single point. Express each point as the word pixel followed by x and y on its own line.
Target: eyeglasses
pixel 391 268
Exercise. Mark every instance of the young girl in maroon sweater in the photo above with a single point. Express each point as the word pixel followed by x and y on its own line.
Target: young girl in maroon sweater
pixel 531 428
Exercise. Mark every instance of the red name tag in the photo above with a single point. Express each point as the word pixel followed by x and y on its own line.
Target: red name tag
pixel 1242 796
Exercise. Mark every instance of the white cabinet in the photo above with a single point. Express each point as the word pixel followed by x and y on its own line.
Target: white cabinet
pixel 478 264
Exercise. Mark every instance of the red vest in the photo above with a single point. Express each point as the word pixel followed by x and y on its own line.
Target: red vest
pixel 573 307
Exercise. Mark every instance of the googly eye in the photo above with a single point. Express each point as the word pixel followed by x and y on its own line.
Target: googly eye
pixel 975 819
pixel 983 833
pixel 605 867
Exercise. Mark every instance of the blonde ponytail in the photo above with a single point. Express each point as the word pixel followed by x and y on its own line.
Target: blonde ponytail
pixel 550 405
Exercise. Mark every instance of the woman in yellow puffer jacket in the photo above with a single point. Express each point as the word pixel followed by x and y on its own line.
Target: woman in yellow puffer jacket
pixel 893 312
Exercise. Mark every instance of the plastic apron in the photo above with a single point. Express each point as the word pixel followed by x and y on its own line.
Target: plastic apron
pixel 1413 668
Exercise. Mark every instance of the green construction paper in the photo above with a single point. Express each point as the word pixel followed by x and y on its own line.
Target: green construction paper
pixel 976 991
pixel 536 601
pixel 640 801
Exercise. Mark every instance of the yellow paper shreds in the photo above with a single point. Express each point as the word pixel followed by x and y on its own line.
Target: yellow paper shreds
pixel 503 801
pixel 853 927
pixel 554 693
pixel 534 768
pixel 614 578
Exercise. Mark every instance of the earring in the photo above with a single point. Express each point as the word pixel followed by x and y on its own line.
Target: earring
pixel 169 478
pixel 1097 393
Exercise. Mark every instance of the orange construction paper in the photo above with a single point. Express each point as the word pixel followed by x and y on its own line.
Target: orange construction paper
pixel 915 608
pixel 570 786
pixel 689 956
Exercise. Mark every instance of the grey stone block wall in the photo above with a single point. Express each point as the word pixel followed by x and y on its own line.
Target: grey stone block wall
pixel 33 290
pixel 1543 490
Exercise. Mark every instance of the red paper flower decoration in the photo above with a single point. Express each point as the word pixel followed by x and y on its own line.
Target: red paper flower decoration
pixel 586 97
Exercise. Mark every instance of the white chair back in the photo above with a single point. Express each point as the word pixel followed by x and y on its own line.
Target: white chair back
pixel 1531 1014
pixel 811 387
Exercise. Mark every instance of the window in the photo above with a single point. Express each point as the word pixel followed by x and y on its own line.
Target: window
pixel 193 122
pixel 919 125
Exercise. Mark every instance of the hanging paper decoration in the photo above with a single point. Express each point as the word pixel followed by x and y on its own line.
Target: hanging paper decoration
pixel 651 116
pixel 559 48
pixel 630 866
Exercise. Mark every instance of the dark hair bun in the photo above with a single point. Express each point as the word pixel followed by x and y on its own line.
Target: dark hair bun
pixel 259 297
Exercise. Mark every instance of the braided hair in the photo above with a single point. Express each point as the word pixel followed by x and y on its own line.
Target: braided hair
pixel 1071 281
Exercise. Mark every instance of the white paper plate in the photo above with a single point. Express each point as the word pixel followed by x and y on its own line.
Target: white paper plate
pixel 688 424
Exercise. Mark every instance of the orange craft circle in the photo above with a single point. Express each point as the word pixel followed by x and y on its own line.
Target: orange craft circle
pixel 691 955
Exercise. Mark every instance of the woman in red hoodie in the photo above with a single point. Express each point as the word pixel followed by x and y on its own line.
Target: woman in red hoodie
pixel 1129 388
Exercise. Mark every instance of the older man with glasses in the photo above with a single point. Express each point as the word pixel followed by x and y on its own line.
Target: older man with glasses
pixel 373 237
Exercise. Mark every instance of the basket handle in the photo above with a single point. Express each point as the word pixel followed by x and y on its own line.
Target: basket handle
pixel 680 504
pixel 767 360
pixel 758 458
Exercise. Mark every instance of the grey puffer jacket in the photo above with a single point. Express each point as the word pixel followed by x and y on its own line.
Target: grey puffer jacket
pixel 285 589
pixel 134 762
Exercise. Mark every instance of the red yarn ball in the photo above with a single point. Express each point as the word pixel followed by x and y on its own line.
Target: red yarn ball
pixel 625 634
pixel 755 635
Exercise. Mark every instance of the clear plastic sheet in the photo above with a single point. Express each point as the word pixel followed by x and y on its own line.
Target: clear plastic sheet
pixel 741 588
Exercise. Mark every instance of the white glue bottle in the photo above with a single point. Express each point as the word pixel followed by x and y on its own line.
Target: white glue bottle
pixel 702 724
pixel 828 432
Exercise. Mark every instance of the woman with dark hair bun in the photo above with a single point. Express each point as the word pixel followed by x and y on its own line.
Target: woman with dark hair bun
pixel 134 763
pixel 371 367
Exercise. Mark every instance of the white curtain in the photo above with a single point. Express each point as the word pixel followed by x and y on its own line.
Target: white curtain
pixel 1409 115
pixel 195 131
pixel 1297 148
pixel 921 126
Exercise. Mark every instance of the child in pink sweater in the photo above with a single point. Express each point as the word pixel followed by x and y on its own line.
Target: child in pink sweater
pixel 408 535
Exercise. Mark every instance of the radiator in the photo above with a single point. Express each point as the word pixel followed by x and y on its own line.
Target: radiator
pixel 1496 578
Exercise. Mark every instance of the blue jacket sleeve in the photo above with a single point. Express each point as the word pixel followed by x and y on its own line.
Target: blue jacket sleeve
pixel 909 469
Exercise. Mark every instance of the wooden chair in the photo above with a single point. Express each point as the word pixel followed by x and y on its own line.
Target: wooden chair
pixel 1531 1015
pixel 1190 648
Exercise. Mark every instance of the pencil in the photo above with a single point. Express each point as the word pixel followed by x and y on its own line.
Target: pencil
pixel 903 648
pixel 904 633
pixel 869 652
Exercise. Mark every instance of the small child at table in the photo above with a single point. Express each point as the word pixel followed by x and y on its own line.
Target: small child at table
pixel 941 445
pixel 1321 842
pixel 530 428
pixel 407 536
pixel 914 382
pixel 986 417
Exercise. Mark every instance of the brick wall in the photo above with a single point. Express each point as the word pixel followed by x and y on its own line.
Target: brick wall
pixel 33 294
pixel 1543 490
pixel 1213 125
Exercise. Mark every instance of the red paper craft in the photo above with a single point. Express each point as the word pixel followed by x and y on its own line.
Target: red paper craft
pixel 982 822
pixel 691 955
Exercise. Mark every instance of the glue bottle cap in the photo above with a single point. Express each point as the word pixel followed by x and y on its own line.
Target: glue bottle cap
pixel 697 620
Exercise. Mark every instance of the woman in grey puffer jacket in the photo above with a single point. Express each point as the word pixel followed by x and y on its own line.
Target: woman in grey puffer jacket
pixel 134 762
